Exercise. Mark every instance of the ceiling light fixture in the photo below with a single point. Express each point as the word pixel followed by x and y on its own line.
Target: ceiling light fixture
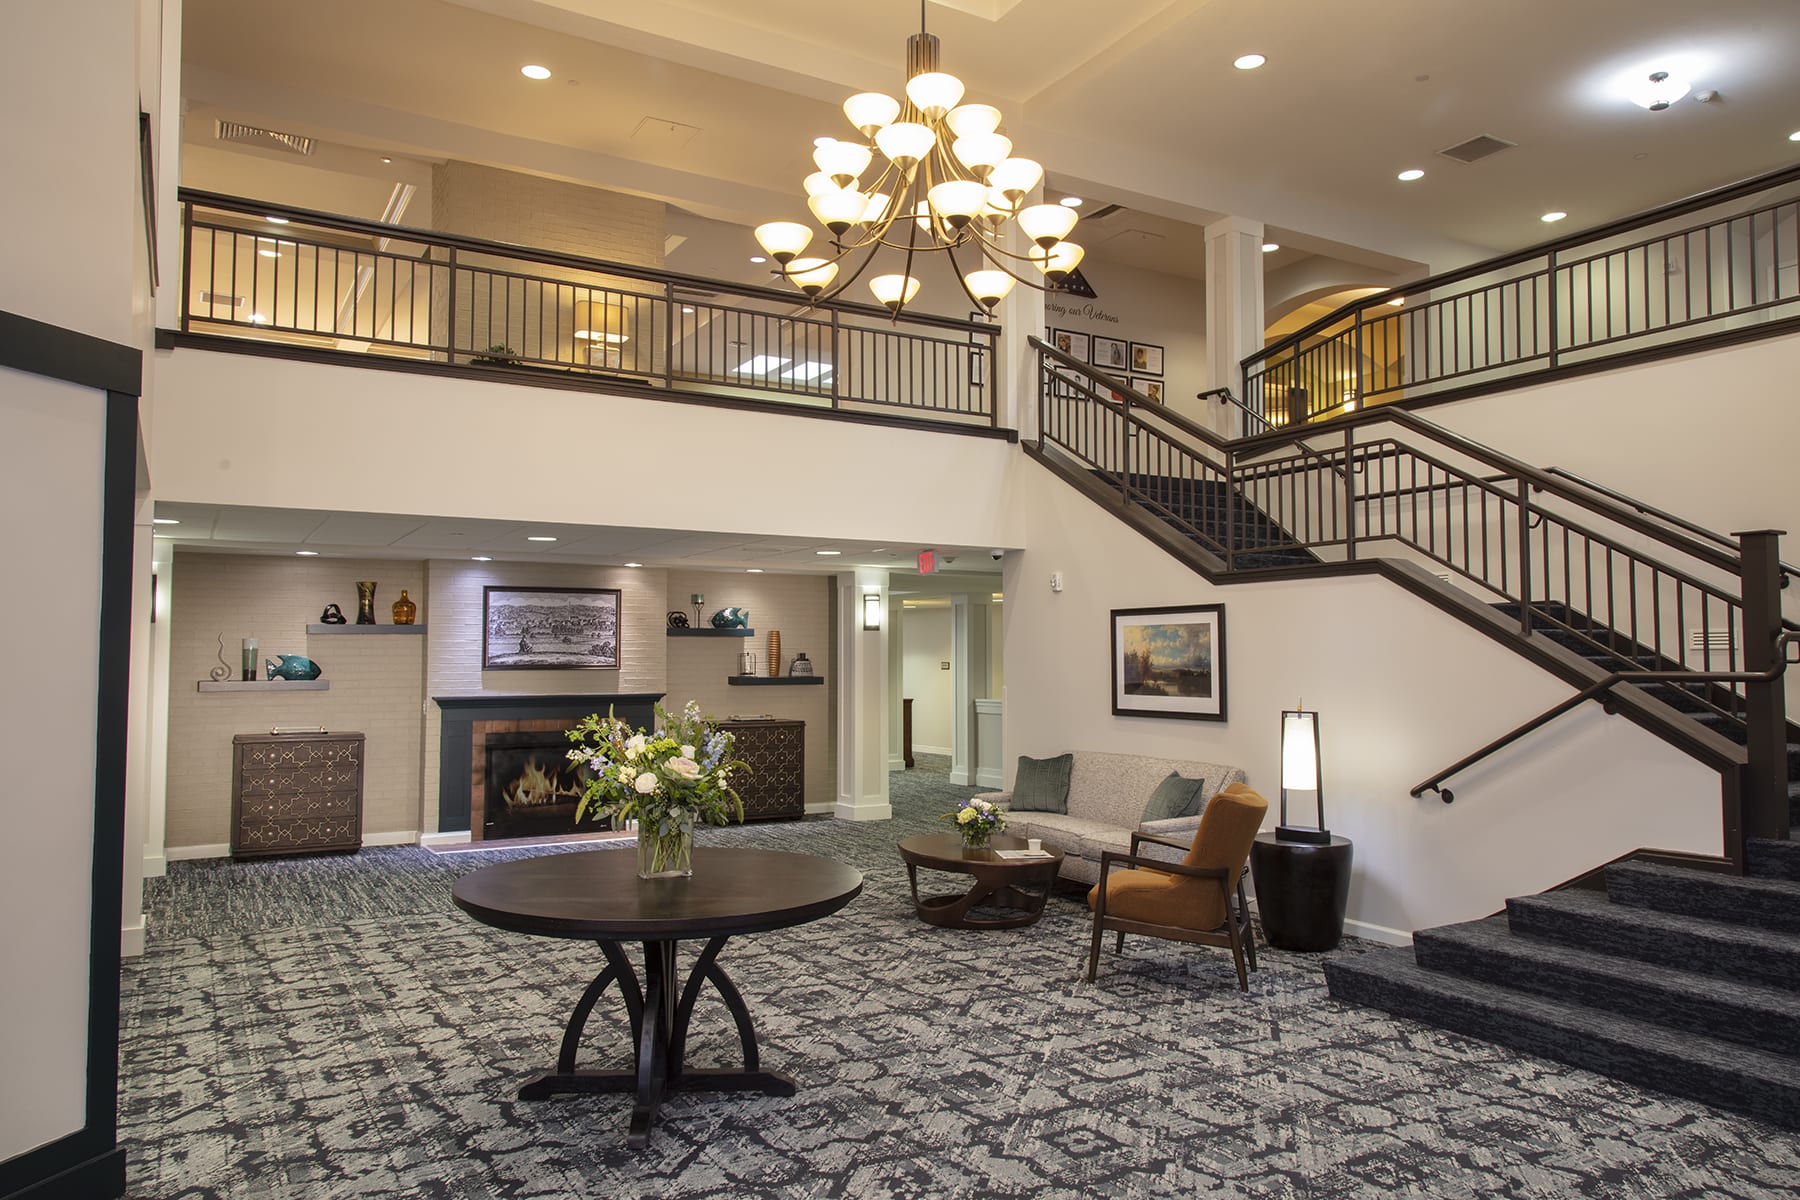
pixel 753 570
pixel 1397 301
pixel 539 537
pixel 533 71
pixel 1271 247
pixel 307 553
pixel 1657 91
pixel 276 220
pixel 1248 62
pixel 164 521
pixel 386 159
pixel 1410 174
pixel 949 181
pixel 757 258
pixel 634 564
pixel 480 558
pixel 1794 136
pixel 1070 202
pixel 1550 218
pixel 828 553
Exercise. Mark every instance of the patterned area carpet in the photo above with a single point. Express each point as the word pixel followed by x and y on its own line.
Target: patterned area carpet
pixel 337 1028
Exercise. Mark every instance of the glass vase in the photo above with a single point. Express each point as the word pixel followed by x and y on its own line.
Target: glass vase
pixel 976 839
pixel 665 855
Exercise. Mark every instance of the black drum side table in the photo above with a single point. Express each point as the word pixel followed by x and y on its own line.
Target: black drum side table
pixel 1301 891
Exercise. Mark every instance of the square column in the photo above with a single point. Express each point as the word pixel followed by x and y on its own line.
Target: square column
pixel 1234 311
pixel 862 700
pixel 969 662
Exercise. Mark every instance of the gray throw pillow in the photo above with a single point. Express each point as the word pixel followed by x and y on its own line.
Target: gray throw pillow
pixel 1042 784
pixel 1173 797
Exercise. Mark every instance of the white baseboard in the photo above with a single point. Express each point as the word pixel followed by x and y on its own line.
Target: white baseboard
pixel 131 939
pixel 455 837
pixel 867 812
pixel 401 837
pixel 942 751
pixel 1378 933
pixel 826 809
pixel 155 866
pixel 183 853
pixel 896 763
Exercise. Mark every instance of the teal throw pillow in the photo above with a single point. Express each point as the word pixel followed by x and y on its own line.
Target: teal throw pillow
pixel 1173 797
pixel 1042 784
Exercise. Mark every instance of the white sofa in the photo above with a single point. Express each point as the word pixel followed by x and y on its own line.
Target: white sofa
pixel 1107 793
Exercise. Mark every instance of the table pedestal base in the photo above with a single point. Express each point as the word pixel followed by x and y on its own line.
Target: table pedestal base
pixel 659 1026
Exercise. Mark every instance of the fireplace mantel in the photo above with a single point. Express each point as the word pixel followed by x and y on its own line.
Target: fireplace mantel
pixel 458 714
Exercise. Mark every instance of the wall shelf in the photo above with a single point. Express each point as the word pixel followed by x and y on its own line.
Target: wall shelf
pixel 311 629
pixel 264 685
pixel 771 680
pixel 674 632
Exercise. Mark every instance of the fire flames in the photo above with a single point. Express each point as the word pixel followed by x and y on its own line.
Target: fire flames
pixel 536 786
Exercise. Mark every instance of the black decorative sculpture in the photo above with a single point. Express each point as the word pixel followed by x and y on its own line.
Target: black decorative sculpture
pixel 333 615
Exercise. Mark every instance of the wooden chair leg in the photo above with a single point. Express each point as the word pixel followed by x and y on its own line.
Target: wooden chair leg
pixel 1237 954
pixel 1094 946
pixel 1249 929
pixel 1119 945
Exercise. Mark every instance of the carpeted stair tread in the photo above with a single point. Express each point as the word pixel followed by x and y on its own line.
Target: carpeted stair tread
pixel 1747 900
pixel 1488 951
pixel 1576 917
pixel 1724 1074
pixel 1772 858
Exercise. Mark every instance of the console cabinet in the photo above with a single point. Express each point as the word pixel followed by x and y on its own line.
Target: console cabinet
pixel 295 793
pixel 775 749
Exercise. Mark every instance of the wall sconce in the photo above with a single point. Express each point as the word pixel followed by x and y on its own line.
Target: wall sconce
pixel 604 328
pixel 871 603
pixel 1300 773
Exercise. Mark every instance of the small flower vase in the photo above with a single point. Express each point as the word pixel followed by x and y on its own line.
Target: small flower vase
pixel 665 855
pixel 404 609
pixel 976 839
pixel 365 602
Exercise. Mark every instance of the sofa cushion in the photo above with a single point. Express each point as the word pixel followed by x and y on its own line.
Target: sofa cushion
pixel 1064 832
pixel 1173 797
pixel 1042 784
pixel 1112 787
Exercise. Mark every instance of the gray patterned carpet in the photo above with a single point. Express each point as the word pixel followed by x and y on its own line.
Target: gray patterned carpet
pixel 336 1028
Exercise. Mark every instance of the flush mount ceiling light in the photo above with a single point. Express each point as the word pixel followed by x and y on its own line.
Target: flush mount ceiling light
pixel 1657 91
pixel 1551 218
pixel 1248 62
pixel 539 537
pixel 1410 174
pixel 307 553
pixel 946 180
pixel 533 71
pixel 1070 202
pixel 1794 136
pixel 828 553
pixel 480 558
pixel 164 521
pixel 753 570
pixel 1271 247
pixel 634 564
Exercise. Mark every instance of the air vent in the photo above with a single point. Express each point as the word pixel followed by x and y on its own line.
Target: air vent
pixel 1477 148
pixel 268 139
pixel 217 298
pixel 1707 641
pixel 1108 211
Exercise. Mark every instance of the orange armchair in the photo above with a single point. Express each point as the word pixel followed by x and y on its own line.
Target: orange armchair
pixel 1188 901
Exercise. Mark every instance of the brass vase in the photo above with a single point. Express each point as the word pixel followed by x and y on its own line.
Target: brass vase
pixel 365 602
pixel 774 652
pixel 404 610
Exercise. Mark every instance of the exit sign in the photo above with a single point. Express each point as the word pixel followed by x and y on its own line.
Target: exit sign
pixel 928 562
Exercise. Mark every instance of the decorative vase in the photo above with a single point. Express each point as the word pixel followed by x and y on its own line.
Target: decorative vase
pixel 665 855
pixel 365 602
pixel 976 839
pixel 774 652
pixel 404 610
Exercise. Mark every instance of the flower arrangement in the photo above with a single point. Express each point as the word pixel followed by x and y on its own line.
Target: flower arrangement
pixel 978 821
pixel 667 781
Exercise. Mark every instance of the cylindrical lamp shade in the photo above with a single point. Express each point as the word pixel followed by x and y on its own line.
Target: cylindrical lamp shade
pixel 783 239
pixel 869 111
pixel 1300 751
pixel 894 290
pixel 1047 224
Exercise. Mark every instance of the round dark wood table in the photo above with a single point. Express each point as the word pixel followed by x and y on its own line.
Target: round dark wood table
pixel 995 882
pixel 1301 891
pixel 597 895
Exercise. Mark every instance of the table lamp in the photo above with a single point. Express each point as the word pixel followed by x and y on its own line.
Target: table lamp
pixel 1300 773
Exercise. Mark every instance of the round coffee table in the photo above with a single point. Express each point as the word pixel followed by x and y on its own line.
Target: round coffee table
pixel 997 882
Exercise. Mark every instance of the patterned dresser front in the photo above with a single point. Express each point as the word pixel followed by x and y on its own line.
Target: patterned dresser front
pixel 295 793
pixel 775 788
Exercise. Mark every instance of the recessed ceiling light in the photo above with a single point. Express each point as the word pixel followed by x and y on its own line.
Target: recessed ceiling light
pixel 307 553
pixel 1271 247
pixel 757 258
pixel 386 159
pixel 539 537
pixel 480 558
pixel 1248 62
pixel 1410 174
pixel 753 570
pixel 1070 202
pixel 824 141
pixel 1656 91
pixel 164 521
pixel 1397 301
pixel 276 220
pixel 687 308
pixel 533 71
pixel 1794 136
pixel 1551 218
pixel 828 553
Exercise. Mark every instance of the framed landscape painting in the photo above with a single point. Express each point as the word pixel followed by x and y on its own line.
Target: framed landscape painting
pixel 549 629
pixel 1169 662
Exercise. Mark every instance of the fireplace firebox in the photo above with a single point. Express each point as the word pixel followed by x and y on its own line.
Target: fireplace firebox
pixel 530 788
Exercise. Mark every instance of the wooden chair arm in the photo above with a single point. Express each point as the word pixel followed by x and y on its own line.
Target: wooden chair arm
pixel 1140 836
pixel 1110 857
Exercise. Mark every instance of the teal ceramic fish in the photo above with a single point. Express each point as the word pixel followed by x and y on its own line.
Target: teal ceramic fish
pixel 731 618
pixel 292 666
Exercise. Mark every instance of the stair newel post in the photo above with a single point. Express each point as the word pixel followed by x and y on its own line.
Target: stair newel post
pixel 1125 435
pixel 1350 493
pixel 1765 703
pixel 1524 556
pixel 1231 497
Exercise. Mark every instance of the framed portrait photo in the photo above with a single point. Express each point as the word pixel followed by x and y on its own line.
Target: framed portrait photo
pixel 1146 359
pixel 1169 662
pixel 1152 388
pixel 1111 354
pixel 1071 343
pixel 549 629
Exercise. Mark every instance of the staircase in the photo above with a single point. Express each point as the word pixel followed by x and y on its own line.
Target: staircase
pixel 1198 507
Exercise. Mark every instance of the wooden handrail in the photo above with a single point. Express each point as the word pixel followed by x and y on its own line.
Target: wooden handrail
pixel 1162 413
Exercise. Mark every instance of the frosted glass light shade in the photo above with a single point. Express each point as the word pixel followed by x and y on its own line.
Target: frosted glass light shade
pixel 989 287
pixel 905 142
pixel 957 201
pixel 843 161
pixel 1015 176
pixel 922 216
pixel 818 182
pixel 1059 260
pixel 934 92
pixel 869 111
pixel 839 210
pixel 811 275
pixel 876 210
pixel 783 239
pixel 967 120
pixel 1047 224
pixel 894 290
pixel 981 152
pixel 1300 751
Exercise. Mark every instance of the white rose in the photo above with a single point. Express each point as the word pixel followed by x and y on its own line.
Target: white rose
pixel 645 783
pixel 634 745
pixel 684 768
pixel 687 752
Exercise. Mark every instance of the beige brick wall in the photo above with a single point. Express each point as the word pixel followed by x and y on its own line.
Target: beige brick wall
pixel 797 605
pixel 547 214
pixel 377 682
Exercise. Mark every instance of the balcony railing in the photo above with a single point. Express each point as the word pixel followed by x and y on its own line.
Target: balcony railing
pixel 306 279
pixel 1720 266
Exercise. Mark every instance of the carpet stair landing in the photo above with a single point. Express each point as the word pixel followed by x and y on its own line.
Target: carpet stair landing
pixel 1198 509
pixel 1679 980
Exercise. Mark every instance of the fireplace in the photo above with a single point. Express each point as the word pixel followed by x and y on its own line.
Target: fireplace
pixel 527 785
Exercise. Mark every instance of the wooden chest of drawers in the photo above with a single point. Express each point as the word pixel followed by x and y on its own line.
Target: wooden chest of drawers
pixel 775 749
pixel 295 793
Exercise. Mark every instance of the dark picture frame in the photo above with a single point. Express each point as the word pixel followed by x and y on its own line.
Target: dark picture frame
pixel 1146 359
pixel 550 629
pixel 1152 388
pixel 1070 342
pixel 1169 662
pixel 1111 354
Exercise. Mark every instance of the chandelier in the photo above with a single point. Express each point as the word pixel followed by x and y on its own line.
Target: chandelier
pixel 948 183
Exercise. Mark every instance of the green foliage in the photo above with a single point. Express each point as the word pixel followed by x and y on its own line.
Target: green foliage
pixel 677 776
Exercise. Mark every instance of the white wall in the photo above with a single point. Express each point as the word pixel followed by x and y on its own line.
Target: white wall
pixel 1402 690
pixel 924 679
pixel 1144 306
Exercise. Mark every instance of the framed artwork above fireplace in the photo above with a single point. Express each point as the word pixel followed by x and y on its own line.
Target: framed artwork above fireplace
pixel 549 629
